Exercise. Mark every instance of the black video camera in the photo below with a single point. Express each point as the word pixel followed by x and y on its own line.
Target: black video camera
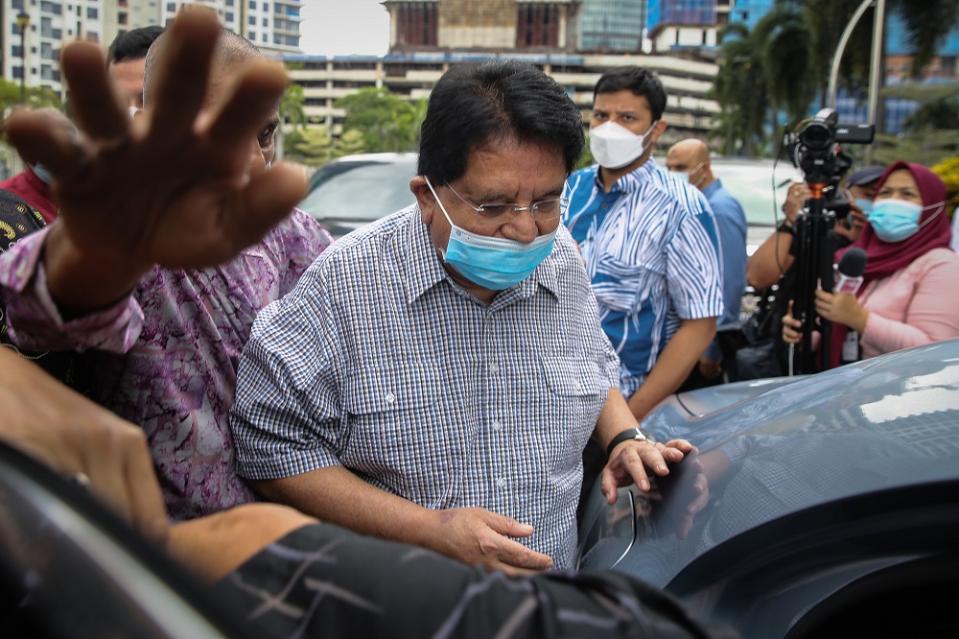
pixel 815 149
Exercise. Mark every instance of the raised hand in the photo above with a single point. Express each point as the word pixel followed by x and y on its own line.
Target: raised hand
pixel 183 186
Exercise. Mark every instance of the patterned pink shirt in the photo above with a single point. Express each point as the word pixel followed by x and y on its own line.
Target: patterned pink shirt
pixel 166 357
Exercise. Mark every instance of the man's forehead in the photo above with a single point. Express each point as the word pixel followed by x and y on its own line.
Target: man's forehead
pixel 623 100
pixel 128 70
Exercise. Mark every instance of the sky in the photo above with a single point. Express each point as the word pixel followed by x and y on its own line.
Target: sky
pixel 343 27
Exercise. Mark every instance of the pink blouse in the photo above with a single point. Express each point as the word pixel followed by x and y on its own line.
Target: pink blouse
pixel 913 306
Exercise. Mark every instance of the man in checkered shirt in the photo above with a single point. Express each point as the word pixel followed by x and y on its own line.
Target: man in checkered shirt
pixel 434 377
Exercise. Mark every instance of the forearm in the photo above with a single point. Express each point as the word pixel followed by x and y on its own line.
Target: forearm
pixel 214 545
pixel 674 364
pixel 770 261
pixel 80 282
pixel 336 495
pixel 614 418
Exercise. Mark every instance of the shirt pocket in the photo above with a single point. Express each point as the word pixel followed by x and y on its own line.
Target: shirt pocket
pixel 622 286
pixel 401 430
pixel 575 395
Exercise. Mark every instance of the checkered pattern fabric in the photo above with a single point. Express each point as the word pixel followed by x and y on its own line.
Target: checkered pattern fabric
pixel 378 361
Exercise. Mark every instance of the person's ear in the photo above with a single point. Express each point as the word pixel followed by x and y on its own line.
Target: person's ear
pixel 424 198
pixel 659 129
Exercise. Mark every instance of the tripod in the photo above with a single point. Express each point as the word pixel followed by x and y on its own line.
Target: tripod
pixel 814 270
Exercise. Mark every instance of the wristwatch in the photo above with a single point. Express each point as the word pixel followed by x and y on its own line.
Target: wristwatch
pixel 786 227
pixel 634 434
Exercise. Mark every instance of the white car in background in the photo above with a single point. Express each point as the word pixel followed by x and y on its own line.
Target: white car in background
pixel 358 189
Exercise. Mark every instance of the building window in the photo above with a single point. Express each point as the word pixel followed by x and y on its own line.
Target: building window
pixel 252 35
pixel 17 5
pixel 266 22
pixel 16 51
pixel 171 7
pixel 252 21
pixel 416 25
pixel 229 16
pixel 92 13
pixel 122 18
pixel 253 4
pixel 17 72
pixel 537 25
pixel 92 36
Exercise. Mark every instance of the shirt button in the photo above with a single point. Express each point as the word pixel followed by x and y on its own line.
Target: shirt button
pixel 497 426
pixel 390 398
pixel 501 482
pixel 493 367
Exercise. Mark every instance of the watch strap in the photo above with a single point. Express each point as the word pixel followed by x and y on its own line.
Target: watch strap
pixel 636 434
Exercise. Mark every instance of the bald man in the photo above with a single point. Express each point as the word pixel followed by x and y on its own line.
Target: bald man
pixel 174 232
pixel 689 160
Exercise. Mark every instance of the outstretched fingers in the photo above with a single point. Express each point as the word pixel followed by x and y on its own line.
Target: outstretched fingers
pixel 178 86
pixel 94 101
pixel 47 137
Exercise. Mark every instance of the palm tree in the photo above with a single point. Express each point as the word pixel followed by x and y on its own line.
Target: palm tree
pixel 740 89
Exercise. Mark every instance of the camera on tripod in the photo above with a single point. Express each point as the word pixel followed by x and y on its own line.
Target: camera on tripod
pixel 815 149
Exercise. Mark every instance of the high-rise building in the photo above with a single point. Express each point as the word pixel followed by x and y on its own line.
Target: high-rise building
pixel 680 12
pixel 48 26
pixel 612 25
pixel 417 25
pixel 272 25
pixel 685 25
pixel 750 12
pixel 427 37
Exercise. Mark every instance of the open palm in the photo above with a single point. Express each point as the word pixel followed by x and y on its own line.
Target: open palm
pixel 174 187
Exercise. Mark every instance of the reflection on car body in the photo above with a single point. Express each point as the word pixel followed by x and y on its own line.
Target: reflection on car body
pixel 814 485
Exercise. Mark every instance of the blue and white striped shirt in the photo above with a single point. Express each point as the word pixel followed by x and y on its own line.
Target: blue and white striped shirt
pixel 378 361
pixel 651 251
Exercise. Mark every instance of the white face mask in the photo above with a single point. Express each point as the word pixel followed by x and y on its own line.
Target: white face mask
pixel 615 146
pixel 684 176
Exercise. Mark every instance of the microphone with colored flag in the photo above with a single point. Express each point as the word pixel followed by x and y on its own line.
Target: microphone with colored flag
pixel 849 271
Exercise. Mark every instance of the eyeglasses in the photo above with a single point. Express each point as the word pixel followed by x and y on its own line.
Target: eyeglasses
pixel 548 209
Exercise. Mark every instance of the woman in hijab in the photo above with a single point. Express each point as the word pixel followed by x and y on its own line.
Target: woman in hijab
pixel 907 297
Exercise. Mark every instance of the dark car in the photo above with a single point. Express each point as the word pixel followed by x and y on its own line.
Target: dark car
pixel 814 505
pixel 358 189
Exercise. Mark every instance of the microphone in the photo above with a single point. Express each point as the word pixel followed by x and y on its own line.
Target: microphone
pixel 848 273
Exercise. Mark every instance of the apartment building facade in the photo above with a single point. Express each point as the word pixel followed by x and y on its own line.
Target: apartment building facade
pixel 689 111
pixel 273 25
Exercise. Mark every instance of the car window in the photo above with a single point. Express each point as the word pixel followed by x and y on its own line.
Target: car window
pixel 752 185
pixel 361 191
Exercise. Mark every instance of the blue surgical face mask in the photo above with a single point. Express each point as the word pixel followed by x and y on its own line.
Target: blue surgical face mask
pixel 896 220
pixel 494 263
pixel 864 205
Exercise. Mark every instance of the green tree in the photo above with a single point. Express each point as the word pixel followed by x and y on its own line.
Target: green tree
pixel 351 142
pixel 37 97
pixel 740 89
pixel 291 107
pixel 310 145
pixel 386 121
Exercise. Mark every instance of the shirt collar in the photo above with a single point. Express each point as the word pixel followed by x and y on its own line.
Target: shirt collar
pixel 712 188
pixel 424 268
pixel 632 181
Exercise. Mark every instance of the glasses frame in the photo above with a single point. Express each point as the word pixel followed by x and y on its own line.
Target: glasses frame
pixel 532 208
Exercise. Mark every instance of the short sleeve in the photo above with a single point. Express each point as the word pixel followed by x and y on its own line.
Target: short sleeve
pixel 693 269
pixel 286 419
